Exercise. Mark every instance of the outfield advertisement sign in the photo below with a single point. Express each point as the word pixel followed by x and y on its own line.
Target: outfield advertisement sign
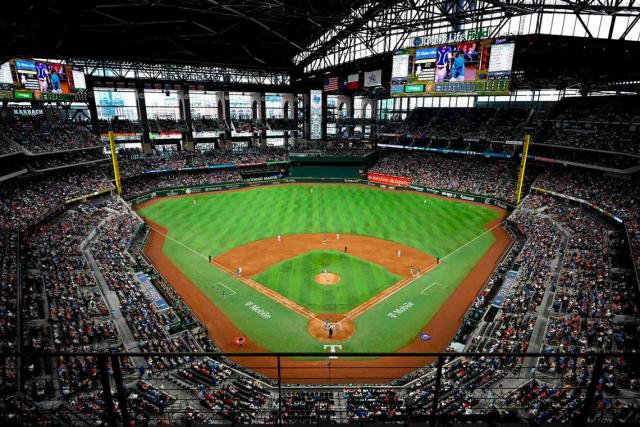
pixel 397 181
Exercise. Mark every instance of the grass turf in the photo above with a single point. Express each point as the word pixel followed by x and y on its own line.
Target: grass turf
pixel 222 221
pixel 360 280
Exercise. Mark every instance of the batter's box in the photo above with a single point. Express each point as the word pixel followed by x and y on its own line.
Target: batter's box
pixel 429 287
pixel 221 289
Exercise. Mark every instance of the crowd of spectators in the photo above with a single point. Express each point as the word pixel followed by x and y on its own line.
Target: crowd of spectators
pixel 501 124
pixel 373 405
pixel 564 154
pixel 607 123
pixel 599 122
pixel 235 399
pixel 209 124
pixel 8 309
pixel 462 379
pixel 120 126
pixel 305 407
pixel 7 146
pixel 615 196
pixel 68 158
pixel 160 125
pixel 466 174
pixel 133 162
pixel 246 125
pixel 24 201
pixel 62 289
pixel 48 133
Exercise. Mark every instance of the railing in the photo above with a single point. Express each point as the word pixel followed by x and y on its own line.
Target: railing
pixel 312 388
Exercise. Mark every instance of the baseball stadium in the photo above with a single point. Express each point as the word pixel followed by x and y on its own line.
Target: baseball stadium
pixel 339 212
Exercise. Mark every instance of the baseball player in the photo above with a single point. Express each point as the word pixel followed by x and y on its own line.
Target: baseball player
pixel 399 253
pixel 457 67
pixel 443 58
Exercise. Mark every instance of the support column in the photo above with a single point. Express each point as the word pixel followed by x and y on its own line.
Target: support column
pixel 142 114
pixel 189 143
pixel 93 109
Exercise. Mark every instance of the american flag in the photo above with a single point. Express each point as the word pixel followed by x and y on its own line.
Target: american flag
pixel 331 84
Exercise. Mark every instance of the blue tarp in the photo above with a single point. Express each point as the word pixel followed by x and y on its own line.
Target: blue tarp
pixel 509 281
pixel 151 291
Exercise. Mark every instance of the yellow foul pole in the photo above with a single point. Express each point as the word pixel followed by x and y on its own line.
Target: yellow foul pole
pixel 114 160
pixel 523 164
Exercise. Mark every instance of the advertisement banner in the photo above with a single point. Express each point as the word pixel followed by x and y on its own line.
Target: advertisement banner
pixel 397 181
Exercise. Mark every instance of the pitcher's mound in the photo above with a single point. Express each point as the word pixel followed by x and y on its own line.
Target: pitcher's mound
pixel 342 328
pixel 327 279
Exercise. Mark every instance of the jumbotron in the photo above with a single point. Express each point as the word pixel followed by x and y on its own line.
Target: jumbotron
pixel 319 213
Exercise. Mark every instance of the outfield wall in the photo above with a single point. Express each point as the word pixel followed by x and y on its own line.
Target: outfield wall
pixel 245 184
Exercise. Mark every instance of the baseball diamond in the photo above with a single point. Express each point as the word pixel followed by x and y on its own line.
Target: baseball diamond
pixel 384 245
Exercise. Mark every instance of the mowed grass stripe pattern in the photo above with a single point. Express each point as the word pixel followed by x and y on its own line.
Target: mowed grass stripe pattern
pixel 295 279
pixel 220 222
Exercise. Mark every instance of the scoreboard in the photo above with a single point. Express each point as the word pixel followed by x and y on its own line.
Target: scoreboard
pixel 476 67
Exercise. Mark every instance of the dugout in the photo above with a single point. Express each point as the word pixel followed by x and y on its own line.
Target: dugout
pixel 320 164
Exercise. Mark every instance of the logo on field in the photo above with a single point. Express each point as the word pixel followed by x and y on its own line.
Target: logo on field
pixel 333 348
pixel 425 337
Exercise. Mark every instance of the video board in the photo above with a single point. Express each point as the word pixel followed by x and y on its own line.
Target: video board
pixel 41 80
pixel 476 67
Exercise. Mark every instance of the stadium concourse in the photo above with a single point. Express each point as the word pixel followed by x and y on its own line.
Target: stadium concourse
pixel 497 119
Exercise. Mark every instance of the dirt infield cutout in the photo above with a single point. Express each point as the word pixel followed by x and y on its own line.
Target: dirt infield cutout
pixel 258 256
pixel 343 328
pixel 327 279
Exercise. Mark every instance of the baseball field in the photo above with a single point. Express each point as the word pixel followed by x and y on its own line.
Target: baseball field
pixel 325 267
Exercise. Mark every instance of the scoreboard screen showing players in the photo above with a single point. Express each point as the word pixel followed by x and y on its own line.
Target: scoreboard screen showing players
pixel 475 67
pixel 34 79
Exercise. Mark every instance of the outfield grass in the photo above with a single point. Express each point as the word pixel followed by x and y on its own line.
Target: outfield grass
pixel 222 221
pixel 360 280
